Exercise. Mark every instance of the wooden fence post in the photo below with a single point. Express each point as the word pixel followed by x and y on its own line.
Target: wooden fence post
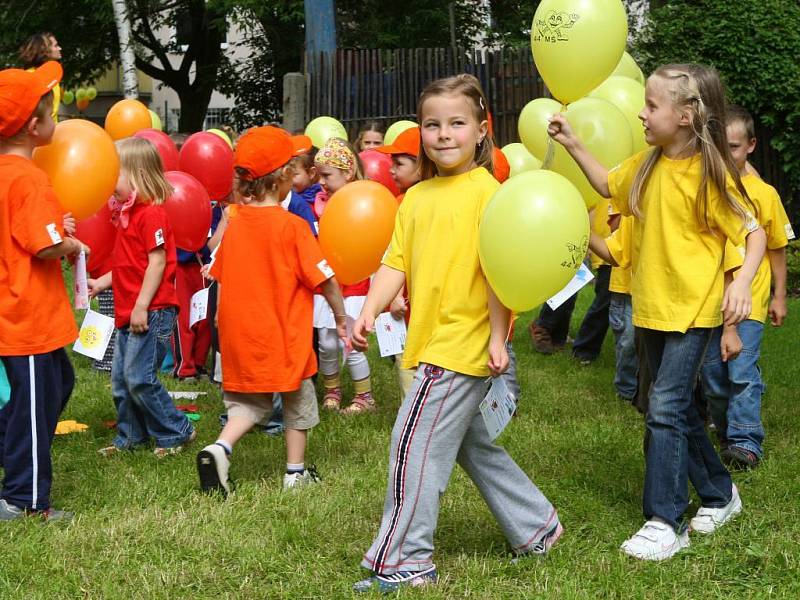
pixel 294 101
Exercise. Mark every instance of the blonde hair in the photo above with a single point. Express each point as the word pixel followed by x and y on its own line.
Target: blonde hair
pixel 699 90
pixel 371 126
pixel 141 163
pixel 469 87
pixel 258 188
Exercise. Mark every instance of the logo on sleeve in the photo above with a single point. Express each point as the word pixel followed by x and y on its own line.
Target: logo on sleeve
pixel 159 236
pixel 55 237
pixel 325 268
pixel 789 231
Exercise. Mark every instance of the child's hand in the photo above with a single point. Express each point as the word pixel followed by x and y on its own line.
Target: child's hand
pixel 205 271
pixel 560 130
pixel 777 311
pixel 363 326
pixel 94 287
pixel 737 302
pixel 398 307
pixel 498 358
pixel 69 224
pixel 731 344
pixel 138 320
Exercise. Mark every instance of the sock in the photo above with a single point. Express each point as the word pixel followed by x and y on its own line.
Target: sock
pixel 225 446
pixel 331 381
pixel 291 469
pixel 362 386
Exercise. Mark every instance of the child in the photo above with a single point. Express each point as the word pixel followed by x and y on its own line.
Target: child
pixel 305 187
pixel 733 388
pixel 370 137
pixel 145 304
pixel 686 197
pixel 267 267
pixel 338 165
pixel 36 319
pixel 190 344
pixel 456 338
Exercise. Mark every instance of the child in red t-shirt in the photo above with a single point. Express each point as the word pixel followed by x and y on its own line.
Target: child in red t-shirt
pixel 266 268
pixel 36 320
pixel 145 304
pixel 338 165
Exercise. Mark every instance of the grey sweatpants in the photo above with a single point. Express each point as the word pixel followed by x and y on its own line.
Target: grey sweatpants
pixel 438 424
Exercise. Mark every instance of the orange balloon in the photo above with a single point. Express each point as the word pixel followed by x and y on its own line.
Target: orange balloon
pixel 82 165
pixel 82 104
pixel 356 228
pixel 127 117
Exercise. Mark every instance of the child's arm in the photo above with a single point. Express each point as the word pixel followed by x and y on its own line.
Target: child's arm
pixel 156 264
pixel 777 306
pixel 385 286
pixel 738 299
pixel 398 305
pixel 332 293
pixel 595 172
pixel 215 239
pixel 599 246
pixel 98 285
pixel 730 344
pixel 65 247
pixel 499 323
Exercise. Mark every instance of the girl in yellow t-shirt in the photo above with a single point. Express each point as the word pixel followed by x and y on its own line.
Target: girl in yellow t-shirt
pixel 687 199
pixel 456 338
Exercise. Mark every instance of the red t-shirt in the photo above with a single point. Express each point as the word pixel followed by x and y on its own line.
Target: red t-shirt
pixel 35 314
pixel 148 228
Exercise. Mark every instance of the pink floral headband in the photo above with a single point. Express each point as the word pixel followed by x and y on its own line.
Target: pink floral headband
pixel 335 153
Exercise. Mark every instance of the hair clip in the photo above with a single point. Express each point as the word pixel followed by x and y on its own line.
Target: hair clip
pixel 480 100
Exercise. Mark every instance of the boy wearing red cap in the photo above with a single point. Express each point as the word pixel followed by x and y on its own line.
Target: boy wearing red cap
pixel 267 267
pixel 36 321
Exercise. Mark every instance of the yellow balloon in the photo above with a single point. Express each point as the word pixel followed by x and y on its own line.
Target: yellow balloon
pixel 604 131
pixel 577 43
pixel 221 134
pixel 533 122
pixel 627 67
pixel 519 159
pixel 628 96
pixel 396 129
pixel 155 120
pixel 321 129
pixel 541 206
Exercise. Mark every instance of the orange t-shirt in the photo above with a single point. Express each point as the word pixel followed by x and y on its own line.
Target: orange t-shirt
pixel 267 266
pixel 35 313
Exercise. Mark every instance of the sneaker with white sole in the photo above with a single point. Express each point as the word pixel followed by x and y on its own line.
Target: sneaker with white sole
pixel 391 583
pixel 213 466
pixel 9 512
pixel 707 520
pixel 292 481
pixel 655 541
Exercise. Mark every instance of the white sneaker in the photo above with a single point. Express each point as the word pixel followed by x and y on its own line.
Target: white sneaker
pixel 213 465
pixel 297 480
pixel 708 519
pixel 655 541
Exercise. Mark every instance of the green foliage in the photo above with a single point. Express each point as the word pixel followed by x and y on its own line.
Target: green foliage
pixel 754 44
pixel 793 268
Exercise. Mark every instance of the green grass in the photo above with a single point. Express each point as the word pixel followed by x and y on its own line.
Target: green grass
pixel 144 531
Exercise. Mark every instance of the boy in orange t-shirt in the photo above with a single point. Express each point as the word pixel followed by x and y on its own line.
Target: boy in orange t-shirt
pixel 35 316
pixel 267 268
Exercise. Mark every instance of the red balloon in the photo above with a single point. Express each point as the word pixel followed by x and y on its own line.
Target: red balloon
pixel 189 211
pixel 207 158
pixel 377 167
pixel 164 144
pixel 99 234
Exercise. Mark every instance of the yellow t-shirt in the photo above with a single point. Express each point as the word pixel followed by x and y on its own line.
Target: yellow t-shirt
pixel 677 280
pixel 620 245
pixel 56 98
pixel 435 243
pixel 772 218
pixel 600 226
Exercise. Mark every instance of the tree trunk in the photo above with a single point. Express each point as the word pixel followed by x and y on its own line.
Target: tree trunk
pixel 127 57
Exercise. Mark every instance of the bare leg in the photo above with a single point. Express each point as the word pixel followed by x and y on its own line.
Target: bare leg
pixel 295 445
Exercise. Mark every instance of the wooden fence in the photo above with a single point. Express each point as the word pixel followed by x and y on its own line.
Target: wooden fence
pixel 358 86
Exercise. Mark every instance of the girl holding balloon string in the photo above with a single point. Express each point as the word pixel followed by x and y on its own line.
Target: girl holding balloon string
pixel 687 198
pixel 456 339
pixel 338 165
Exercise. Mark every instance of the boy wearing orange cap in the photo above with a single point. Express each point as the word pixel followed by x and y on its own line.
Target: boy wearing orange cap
pixel 36 320
pixel 267 267
pixel 404 151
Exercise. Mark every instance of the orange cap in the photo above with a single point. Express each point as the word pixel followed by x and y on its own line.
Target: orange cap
pixel 262 150
pixel 302 144
pixel 20 92
pixel 405 143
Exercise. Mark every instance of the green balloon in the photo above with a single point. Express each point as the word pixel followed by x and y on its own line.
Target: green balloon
pixel 67 98
pixel 81 94
pixel 321 129
pixel 91 93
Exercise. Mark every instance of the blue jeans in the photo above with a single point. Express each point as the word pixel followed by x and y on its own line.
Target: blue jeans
pixel 678 448
pixel 620 318
pixel 734 389
pixel 144 408
pixel 589 339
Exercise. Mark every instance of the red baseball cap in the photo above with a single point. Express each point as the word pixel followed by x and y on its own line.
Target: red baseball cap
pixel 405 143
pixel 20 92
pixel 262 150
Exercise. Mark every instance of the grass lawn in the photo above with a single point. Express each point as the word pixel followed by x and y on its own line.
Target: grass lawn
pixel 144 531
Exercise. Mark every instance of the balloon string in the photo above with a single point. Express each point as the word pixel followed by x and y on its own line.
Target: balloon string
pixel 551 148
